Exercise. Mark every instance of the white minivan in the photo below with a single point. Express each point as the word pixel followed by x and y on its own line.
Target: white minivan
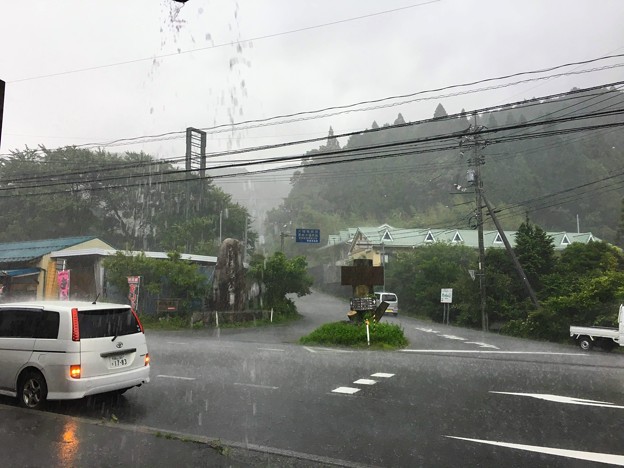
pixel 58 350
pixel 391 299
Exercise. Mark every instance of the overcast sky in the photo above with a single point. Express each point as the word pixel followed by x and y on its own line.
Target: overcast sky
pixel 93 71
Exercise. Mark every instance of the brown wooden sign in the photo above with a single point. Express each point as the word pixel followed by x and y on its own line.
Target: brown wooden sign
pixel 361 274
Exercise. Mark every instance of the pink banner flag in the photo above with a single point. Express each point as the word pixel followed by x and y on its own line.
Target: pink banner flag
pixel 63 284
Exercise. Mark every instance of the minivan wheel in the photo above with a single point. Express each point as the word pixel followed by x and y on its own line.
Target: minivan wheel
pixel 32 391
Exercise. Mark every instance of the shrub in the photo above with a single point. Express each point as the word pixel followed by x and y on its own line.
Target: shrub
pixel 382 335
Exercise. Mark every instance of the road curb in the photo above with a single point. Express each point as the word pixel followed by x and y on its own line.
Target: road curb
pixel 222 447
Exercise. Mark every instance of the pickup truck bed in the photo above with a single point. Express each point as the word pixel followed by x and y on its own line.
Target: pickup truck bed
pixel 604 332
pixel 605 337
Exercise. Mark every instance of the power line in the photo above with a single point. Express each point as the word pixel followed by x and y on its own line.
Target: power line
pixel 368 152
pixel 224 44
pixel 335 110
pixel 519 104
pixel 348 108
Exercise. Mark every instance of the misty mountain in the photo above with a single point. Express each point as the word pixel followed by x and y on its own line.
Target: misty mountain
pixel 542 159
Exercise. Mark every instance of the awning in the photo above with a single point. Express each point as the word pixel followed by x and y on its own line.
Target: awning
pixel 19 272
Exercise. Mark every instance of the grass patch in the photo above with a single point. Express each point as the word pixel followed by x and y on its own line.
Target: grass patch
pixel 382 335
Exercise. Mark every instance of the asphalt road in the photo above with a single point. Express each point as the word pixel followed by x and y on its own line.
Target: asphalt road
pixel 455 397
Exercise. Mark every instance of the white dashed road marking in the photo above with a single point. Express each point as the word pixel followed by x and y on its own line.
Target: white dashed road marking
pixel 365 382
pixel 346 390
pixel 272 349
pixel 352 390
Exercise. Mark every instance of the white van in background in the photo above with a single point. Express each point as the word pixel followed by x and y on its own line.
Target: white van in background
pixel 391 299
pixel 68 350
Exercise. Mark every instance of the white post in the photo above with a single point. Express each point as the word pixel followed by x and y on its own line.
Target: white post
pixel 220 224
pixel 271 314
pixel 367 334
pixel 217 318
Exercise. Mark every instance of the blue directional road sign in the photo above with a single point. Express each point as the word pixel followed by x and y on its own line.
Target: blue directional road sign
pixel 308 236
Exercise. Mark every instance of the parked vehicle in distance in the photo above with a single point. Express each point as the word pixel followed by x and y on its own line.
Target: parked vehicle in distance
pixel 605 337
pixel 57 350
pixel 391 299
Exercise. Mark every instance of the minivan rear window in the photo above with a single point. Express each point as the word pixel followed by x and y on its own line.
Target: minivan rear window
pixel 109 322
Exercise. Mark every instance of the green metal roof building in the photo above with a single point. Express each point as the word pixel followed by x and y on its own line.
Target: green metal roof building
pixel 371 242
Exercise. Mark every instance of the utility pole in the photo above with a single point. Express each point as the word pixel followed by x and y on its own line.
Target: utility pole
pixel 283 235
pixel 2 87
pixel 478 162
pixel 475 179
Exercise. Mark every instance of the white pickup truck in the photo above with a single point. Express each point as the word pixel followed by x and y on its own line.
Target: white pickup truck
pixel 605 337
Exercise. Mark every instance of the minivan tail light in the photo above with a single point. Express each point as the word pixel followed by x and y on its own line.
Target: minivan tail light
pixel 138 321
pixel 75 371
pixel 75 327
pixel 147 359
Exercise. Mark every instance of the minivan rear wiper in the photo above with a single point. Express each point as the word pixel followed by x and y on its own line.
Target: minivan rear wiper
pixel 114 337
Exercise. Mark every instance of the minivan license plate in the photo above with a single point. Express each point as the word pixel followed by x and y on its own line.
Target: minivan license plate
pixel 119 361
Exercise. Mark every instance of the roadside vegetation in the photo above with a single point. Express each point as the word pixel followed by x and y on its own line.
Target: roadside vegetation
pixel 382 335
pixel 279 276
pixel 160 278
pixel 276 277
pixel 581 285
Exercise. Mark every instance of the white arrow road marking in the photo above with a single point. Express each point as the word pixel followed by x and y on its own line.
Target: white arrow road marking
pixel 453 337
pixel 382 375
pixel 482 345
pixel 564 399
pixel 365 382
pixel 576 454
pixel 346 390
